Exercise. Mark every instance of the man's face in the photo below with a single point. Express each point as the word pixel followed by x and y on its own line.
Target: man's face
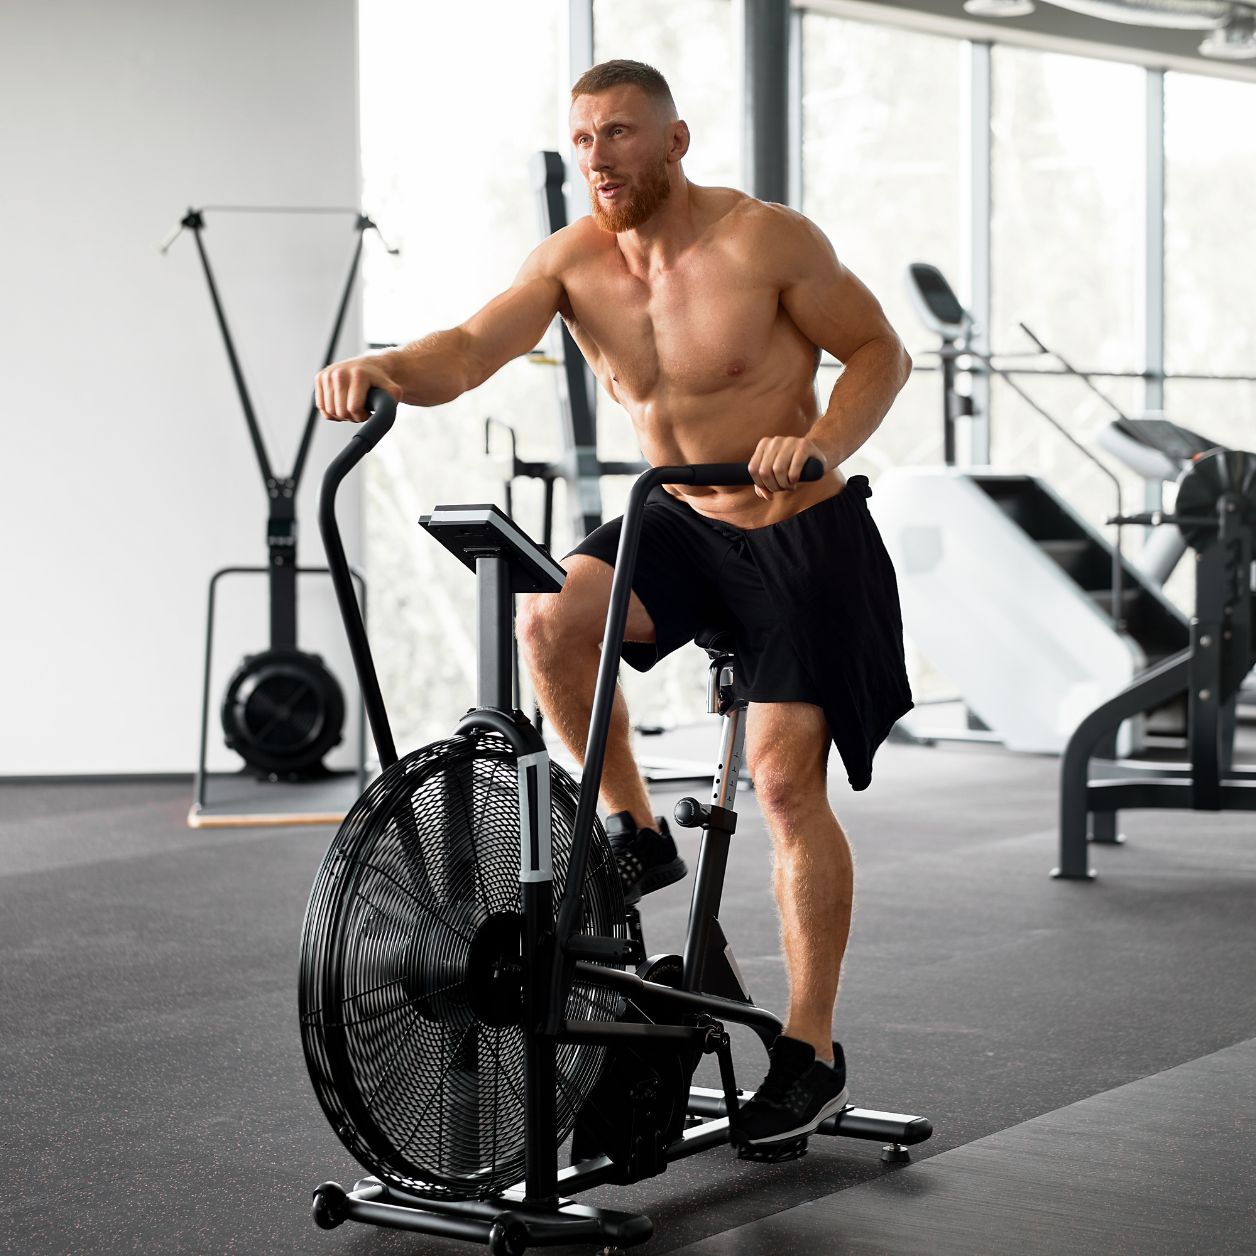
pixel 621 138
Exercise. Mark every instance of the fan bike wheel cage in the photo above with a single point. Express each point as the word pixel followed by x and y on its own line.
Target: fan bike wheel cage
pixel 283 710
pixel 551 946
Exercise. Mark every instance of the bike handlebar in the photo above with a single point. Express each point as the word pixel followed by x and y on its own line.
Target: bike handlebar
pixel 383 413
pixel 725 474
pixel 368 435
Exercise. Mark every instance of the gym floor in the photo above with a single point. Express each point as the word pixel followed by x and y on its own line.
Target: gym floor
pixel 1085 1051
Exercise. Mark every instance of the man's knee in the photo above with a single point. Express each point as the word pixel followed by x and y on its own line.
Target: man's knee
pixel 786 795
pixel 789 766
pixel 554 623
pixel 543 625
pixel 549 622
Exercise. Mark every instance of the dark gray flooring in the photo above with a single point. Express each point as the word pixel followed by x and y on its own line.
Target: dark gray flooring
pixel 154 1098
pixel 237 798
pixel 1166 1165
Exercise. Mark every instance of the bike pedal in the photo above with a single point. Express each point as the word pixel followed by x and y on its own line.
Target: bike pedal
pixel 774 1153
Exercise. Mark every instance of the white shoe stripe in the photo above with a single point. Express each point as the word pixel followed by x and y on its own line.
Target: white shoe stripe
pixel 833 1106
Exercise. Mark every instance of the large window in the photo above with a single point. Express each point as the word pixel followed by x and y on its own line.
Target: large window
pixel 1210 254
pixel 1068 191
pixel 883 120
pixel 450 123
pixel 1067 257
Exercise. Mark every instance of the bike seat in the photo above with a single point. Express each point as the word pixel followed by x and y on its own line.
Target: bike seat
pixel 715 641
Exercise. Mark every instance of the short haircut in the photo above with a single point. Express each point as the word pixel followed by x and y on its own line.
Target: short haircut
pixel 618 73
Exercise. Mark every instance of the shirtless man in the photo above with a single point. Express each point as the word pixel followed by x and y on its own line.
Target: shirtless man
pixel 703 312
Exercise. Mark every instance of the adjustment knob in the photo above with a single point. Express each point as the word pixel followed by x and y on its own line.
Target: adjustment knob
pixel 690 813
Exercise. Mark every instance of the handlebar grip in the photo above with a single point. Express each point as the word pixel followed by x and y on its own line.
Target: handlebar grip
pixel 383 411
pixel 717 474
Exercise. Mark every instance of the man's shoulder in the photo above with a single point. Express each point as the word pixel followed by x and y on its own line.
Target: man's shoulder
pixel 773 236
pixel 573 244
pixel 774 221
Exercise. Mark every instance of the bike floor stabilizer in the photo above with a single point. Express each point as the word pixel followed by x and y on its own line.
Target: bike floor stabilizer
pixel 509 1225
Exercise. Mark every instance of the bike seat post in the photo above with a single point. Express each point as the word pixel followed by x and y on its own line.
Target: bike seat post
pixel 708 887
pixel 722 700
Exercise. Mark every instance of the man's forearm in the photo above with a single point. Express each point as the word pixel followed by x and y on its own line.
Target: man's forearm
pixel 872 377
pixel 433 370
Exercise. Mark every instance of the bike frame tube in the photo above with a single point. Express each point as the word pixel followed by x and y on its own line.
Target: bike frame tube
pixel 364 440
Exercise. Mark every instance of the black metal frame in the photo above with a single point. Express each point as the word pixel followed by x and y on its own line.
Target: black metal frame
pixel 1210 672
pixel 199 802
pixel 281 490
pixel 536 1212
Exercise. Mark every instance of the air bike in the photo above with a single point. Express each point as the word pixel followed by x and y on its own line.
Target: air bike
pixel 473 991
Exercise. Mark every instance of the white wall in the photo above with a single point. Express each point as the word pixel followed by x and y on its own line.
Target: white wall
pixel 126 475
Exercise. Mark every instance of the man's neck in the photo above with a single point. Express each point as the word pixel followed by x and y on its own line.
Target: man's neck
pixel 657 243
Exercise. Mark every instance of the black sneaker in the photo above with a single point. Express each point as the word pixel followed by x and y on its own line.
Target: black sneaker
pixel 646 858
pixel 798 1094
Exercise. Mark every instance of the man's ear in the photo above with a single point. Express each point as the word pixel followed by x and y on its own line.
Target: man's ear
pixel 678 145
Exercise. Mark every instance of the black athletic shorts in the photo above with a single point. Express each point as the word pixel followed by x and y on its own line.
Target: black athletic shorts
pixel 811 601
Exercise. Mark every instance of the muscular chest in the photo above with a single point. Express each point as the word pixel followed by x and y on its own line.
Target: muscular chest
pixel 696 328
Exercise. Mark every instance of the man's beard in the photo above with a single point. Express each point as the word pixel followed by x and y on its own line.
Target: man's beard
pixel 651 190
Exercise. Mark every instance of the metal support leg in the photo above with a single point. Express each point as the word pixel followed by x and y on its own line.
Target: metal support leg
pixel 1103 828
pixel 1164 681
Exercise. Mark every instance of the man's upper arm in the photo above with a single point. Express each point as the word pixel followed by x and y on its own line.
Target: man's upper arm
pixel 513 322
pixel 829 304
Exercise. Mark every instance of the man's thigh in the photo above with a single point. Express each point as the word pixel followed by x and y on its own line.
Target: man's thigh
pixel 674 582
pixel 787 743
pixel 587 590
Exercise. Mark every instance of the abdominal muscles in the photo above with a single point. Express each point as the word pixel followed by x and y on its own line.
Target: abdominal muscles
pixel 704 358
pixel 717 409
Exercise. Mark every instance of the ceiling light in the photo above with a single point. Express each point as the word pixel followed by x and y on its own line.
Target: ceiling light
pixel 999 8
pixel 1235 41
pixel 1184 15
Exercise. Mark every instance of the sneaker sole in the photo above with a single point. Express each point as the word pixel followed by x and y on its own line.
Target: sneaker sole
pixel 656 879
pixel 834 1105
